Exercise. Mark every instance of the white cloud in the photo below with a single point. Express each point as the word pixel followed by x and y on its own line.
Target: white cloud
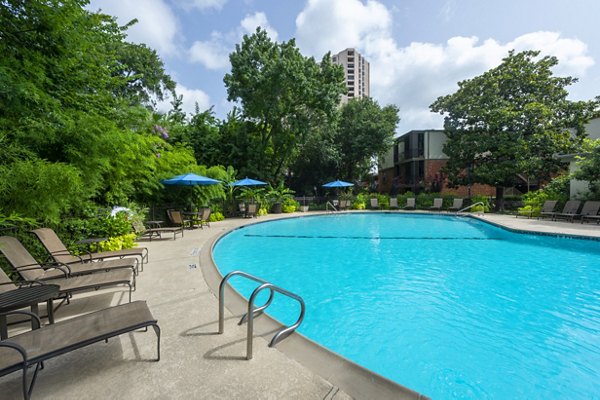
pixel 334 25
pixel 412 77
pixel 190 98
pixel 203 5
pixel 253 21
pixel 214 53
pixel 157 26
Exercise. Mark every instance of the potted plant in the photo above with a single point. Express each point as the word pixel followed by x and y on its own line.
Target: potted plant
pixel 277 195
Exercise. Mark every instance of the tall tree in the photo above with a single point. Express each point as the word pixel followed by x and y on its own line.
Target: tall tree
pixel 511 120
pixel 365 132
pixel 589 167
pixel 285 95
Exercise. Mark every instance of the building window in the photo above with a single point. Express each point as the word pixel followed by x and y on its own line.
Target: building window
pixel 350 77
pixel 351 65
pixel 421 144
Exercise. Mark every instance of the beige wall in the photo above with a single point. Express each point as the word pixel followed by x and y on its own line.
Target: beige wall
pixel 434 143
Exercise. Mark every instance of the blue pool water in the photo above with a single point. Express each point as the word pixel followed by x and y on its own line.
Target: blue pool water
pixel 453 308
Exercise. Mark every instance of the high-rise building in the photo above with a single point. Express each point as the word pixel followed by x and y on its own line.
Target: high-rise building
pixel 356 70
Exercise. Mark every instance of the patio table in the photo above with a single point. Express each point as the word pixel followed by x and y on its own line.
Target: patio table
pixel 29 296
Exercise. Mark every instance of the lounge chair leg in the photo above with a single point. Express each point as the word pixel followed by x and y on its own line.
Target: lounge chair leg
pixel 27 391
pixel 157 330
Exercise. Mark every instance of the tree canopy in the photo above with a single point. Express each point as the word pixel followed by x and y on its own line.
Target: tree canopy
pixel 284 94
pixel 589 167
pixel 511 121
pixel 365 133
pixel 76 119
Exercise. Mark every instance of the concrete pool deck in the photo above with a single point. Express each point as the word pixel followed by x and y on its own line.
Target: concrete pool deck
pixel 179 286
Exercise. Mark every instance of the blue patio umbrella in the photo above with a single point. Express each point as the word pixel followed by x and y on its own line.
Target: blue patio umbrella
pixel 248 182
pixel 190 179
pixel 338 184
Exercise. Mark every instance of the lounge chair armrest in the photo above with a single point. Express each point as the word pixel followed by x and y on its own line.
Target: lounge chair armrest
pixel 68 253
pixel 23 312
pixel 62 268
pixel 58 265
pixel 16 347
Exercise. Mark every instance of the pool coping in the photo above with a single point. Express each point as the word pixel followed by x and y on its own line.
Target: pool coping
pixel 356 380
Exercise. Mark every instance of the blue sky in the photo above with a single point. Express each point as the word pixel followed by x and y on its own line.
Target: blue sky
pixel 418 49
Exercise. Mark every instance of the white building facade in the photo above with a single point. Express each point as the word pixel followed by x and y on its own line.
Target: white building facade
pixel 356 73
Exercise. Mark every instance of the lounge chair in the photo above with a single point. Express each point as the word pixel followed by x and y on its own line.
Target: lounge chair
pixel 143 230
pixel 242 209
pixel 251 210
pixel 343 205
pixel 547 210
pixel 374 203
pixel 176 219
pixel 569 211
pixel 393 202
pixel 204 217
pixel 30 270
pixel 457 205
pixel 437 204
pixel 59 252
pixel 590 208
pixel 410 204
pixel 32 348
pixel 20 258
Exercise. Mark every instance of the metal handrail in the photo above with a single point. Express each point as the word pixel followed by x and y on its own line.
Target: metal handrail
pixel 254 312
pixel 471 206
pixel 330 204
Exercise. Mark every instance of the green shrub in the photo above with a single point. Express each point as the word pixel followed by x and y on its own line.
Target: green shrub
pixel 262 211
pixel 360 202
pixel 483 199
pixel 289 205
pixel 216 216
pixel 126 241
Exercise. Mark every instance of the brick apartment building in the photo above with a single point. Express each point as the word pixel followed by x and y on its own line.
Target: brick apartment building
pixel 414 164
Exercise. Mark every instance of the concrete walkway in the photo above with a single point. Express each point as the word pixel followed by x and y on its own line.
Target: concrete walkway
pixel 195 362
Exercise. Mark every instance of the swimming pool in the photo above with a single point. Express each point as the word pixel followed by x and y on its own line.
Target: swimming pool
pixel 452 308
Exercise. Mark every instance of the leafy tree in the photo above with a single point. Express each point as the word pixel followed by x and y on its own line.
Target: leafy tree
pixel 366 132
pixel 284 94
pixel 589 167
pixel 511 120
pixel 143 72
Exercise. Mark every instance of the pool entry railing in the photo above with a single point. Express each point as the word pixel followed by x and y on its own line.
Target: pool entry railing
pixel 254 312
pixel 329 205
pixel 479 203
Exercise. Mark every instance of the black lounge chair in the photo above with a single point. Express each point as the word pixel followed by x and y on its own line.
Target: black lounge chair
pixel 569 212
pixel 589 211
pixel 437 204
pixel 61 254
pixel 30 270
pixel 142 230
pixel 546 211
pixel 457 205
pixel 32 348
pixel 410 204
